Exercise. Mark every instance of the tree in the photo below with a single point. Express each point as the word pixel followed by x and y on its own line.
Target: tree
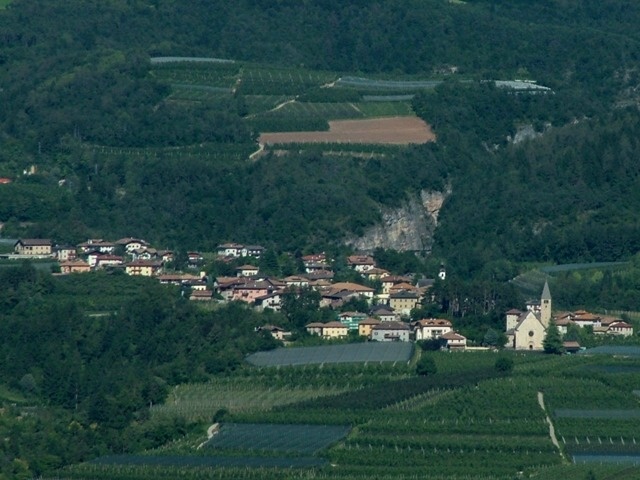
pixel 553 341
pixel 494 338
pixel 504 365
pixel 426 366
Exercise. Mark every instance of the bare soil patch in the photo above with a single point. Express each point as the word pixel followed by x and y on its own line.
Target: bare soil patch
pixel 388 130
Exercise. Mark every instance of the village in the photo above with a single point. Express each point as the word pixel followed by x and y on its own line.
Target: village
pixel 389 307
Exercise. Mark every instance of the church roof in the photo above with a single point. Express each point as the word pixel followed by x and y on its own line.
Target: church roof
pixel 546 294
pixel 522 318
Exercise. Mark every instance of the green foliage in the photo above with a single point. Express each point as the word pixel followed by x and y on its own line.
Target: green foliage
pixel 426 366
pixel 504 364
pixel 552 342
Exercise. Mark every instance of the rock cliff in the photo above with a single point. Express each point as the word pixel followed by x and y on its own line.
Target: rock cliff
pixel 407 228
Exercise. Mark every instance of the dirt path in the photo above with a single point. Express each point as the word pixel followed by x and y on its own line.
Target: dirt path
pixel 552 431
pixel 211 431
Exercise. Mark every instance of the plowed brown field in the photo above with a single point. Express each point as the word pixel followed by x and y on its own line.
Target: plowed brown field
pixel 389 130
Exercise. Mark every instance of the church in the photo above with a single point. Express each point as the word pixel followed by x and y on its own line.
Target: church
pixel 526 330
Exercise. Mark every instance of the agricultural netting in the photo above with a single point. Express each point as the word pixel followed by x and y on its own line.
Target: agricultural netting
pixel 351 353
pixel 608 414
pixel 156 60
pixel 201 461
pixel 624 350
pixel 301 439
pixel 599 458
pixel 403 85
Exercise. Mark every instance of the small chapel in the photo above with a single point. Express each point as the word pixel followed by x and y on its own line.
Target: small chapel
pixel 526 330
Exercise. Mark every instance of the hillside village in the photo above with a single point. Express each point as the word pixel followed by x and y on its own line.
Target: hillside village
pixel 389 306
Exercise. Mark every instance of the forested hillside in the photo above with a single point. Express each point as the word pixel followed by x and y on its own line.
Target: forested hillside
pixel 76 78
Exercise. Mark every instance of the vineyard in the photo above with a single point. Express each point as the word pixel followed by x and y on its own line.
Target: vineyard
pixel 378 420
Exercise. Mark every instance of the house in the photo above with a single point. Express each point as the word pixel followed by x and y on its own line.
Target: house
pixel 616 327
pixel 247 271
pixel 563 323
pixel 361 263
pixel 311 267
pixel 249 292
pixel 130 244
pixel 351 319
pixel 36 247
pixel 383 312
pixel 64 252
pixel 334 299
pixel 390 332
pixel 328 330
pixel 319 275
pixel 74 266
pixel 177 278
pixel 254 251
pixel 375 273
pixel 226 285
pixel 196 285
pixel 95 244
pixel 365 326
pixel 583 318
pixel 404 301
pixel 145 253
pixel 201 295
pixel 144 268
pixel 276 332
pixel 296 281
pixel 354 289
pixel 233 250
pixel 270 300
pixel 314 258
pixel 166 256
pixel 390 280
pixel 431 328
pixel 455 341
pixel 194 259
pixel 106 260
pixel 315 328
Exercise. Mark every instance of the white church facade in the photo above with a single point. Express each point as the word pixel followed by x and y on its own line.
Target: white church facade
pixel 527 330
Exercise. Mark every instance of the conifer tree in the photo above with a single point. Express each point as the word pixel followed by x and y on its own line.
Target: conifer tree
pixel 553 340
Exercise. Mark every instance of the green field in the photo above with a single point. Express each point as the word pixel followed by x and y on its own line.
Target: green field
pixel 468 421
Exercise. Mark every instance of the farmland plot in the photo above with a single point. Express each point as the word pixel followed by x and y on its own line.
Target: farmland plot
pixel 391 130
pixel 352 353
pixel 300 439
pixel 198 403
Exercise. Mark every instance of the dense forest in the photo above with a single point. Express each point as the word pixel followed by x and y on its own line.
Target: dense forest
pixel 83 80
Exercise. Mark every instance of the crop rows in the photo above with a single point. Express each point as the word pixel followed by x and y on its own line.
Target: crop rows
pixel 199 402
pixel 255 81
pixel 208 152
pixel 301 439
pixel 216 75
pixel 193 94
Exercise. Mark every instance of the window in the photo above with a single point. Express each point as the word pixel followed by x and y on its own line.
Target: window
pixel 531 333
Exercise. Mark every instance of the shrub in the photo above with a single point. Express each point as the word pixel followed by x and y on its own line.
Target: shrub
pixel 426 366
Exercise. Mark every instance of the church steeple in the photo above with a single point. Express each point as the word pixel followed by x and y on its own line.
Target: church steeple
pixel 545 305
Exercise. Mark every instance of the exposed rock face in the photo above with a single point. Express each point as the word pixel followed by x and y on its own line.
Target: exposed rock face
pixel 407 228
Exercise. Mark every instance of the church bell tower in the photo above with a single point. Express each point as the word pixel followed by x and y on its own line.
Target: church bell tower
pixel 545 305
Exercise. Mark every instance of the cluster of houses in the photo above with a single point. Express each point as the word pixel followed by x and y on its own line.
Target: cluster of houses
pixel 133 255
pixel 383 322
pixel 526 330
pixel 374 328
pixel 389 307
